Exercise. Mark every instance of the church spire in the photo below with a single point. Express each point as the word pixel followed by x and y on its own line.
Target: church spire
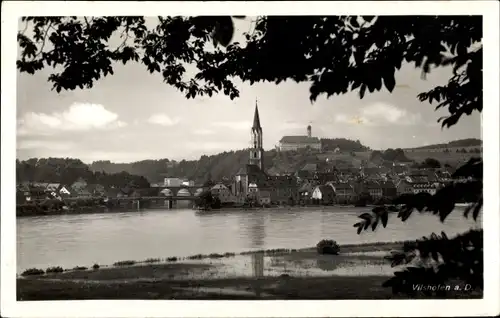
pixel 256 119
pixel 256 150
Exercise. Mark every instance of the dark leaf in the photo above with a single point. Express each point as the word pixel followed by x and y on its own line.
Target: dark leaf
pixel 389 80
pixel 477 209
pixel 367 224
pixel 360 228
pixel 362 90
pixel 365 216
pixel 384 217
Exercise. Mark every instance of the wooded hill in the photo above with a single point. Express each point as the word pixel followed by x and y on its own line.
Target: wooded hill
pixel 461 143
pixel 215 167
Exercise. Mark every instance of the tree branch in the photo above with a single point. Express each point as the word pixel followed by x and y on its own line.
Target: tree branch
pixel 43 42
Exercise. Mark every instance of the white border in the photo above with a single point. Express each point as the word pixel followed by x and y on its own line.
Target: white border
pixel 12 10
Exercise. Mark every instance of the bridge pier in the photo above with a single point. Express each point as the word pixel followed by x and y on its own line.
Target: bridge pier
pixel 170 203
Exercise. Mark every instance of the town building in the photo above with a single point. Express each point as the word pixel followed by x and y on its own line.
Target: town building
pixel 252 180
pixel 252 173
pixel 172 182
pixel 374 189
pixel 426 187
pixel 222 192
pixel 323 194
pixel 344 192
pixel 288 143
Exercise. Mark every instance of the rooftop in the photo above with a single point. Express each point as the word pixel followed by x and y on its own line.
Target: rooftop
pixel 299 140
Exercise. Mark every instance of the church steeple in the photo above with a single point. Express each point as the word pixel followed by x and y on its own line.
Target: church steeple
pixel 256 149
pixel 256 119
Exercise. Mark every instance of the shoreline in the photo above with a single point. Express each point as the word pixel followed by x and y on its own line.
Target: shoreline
pixel 344 250
pixel 105 210
pixel 284 274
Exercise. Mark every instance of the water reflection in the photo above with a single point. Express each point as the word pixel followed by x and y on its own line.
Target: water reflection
pixel 256 230
pixel 258 265
pixel 329 264
pixel 72 240
pixel 258 272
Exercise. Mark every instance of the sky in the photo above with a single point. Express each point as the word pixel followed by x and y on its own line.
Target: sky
pixel 133 116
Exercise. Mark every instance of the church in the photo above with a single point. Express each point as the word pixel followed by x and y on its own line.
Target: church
pixel 252 178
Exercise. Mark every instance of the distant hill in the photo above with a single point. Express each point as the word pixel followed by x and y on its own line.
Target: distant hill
pixel 461 143
pixel 330 144
pixel 215 167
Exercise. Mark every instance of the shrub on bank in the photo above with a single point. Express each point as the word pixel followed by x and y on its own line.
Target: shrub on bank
pixel 172 259
pixel 96 266
pixel 124 263
pixel 152 260
pixel 215 255
pixel 80 268
pixel 197 256
pixel 55 269
pixel 32 271
pixel 328 247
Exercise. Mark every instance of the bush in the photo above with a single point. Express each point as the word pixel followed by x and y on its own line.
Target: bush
pixel 56 269
pixel 172 259
pixel 215 255
pixel 95 266
pixel 80 268
pixel 32 271
pixel 328 247
pixel 124 263
pixel 152 260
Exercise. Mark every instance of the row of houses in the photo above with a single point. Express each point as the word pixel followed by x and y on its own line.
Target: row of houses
pixel 36 191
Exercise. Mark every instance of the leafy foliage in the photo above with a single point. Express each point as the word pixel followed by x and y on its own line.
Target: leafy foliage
pixel 207 201
pixel 336 54
pixel 68 171
pixel 430 163
pixel 390 154
pixel 459 258
pixel 330 144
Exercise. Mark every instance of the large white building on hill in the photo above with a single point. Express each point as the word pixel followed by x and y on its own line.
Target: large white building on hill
pixel 288 143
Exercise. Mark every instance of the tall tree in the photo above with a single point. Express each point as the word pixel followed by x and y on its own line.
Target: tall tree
pixel 335 54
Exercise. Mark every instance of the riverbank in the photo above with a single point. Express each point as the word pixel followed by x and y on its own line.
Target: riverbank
pixel 38 210
pixel 356 273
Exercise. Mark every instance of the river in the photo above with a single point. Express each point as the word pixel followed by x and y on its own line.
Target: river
pixel 104 238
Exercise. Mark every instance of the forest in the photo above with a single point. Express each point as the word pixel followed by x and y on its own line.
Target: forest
pixel 221 166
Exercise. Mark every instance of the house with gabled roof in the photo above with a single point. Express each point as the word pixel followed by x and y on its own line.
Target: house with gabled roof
pixel 323 194
pixel 344 192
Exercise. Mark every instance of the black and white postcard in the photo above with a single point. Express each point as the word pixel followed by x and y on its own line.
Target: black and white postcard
pixel 304 159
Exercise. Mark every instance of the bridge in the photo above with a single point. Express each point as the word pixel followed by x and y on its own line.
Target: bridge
pixel 167 201
pixel 181 191
pixel 176 198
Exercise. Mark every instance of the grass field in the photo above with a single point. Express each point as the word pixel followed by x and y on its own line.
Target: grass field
pixel 184 280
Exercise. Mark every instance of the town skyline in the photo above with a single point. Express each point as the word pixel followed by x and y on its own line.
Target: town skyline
pixel 124 120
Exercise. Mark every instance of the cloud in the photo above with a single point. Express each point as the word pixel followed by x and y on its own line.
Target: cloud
pixel 203 132
pixel 380 114
pixel 78 117
pixel 234 125
pixel 163 120
pixel 45 144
